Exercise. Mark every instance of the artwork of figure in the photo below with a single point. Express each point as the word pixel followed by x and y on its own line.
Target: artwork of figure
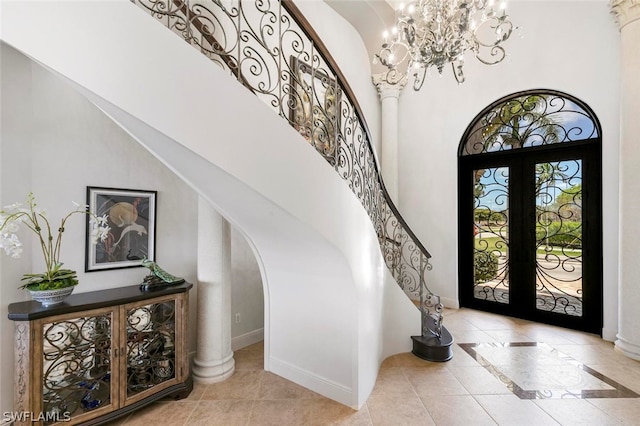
pixel 131 217
pixel 132 242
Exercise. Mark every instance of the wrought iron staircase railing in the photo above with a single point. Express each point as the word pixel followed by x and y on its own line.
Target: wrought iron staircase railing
pixel 272 50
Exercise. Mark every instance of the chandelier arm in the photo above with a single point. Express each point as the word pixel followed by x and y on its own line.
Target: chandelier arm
pixel 419 78
pixel 457 72
pixel 495 51
pixel 434 33
pixel 506 33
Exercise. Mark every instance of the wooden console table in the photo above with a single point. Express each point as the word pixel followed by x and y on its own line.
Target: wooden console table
pixel 100 355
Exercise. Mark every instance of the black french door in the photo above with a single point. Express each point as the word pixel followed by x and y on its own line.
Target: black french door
pixel 530 242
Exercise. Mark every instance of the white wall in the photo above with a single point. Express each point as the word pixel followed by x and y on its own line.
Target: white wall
pixel 567 46
pixel 15 182
pixel 44 121
pixel 55 143
pixel 246 293
pixel 332 314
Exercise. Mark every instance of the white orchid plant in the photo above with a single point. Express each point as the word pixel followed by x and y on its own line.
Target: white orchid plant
pixel 35 219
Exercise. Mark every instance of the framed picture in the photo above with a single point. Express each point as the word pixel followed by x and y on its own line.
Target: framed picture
pixel 315 107
pixel 132 218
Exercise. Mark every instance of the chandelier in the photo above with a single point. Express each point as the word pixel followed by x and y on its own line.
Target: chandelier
pixel 434 33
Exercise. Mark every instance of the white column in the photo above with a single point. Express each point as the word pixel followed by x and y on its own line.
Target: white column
pixel 214 359
pixel 389 95
pixel 627 13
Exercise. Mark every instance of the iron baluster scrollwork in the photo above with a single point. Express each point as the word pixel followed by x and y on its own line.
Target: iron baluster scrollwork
pixel 272 50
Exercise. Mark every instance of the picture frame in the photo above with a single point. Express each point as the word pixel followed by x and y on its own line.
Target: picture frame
pixel 314 107
pixel 131 215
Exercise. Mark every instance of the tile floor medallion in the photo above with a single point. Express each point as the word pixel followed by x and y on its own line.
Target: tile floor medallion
pixel 534 370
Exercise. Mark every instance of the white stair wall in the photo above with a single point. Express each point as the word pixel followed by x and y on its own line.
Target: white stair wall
pixel 332 310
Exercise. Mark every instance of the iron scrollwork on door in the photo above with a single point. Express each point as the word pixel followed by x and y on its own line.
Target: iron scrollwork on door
pixel 559 237
pixel 530 154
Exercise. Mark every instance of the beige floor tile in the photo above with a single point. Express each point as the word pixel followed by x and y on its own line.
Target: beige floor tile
pixel 395 410
pixel 586 338
pixel 472 336
pixel 282 412
pixel 250 361
pixel 196 393
pixel 622 374
pixel 392 380
pixel 162 413
pixel 581 338
pixel 408 359
pixel 492 322
pixel 627 411
pixel 508 336
pixel 544 333
pixel 509 410
pixel 275 387
pixel 597 354
pixel 243 384
pixel 328 412
pixel 250 358
pixel 455 323
pixel 576 412
pixel 478 381
pixel 256 348
pixel 457 411
pixel 429 383
pixel 460 358
pixel 222 413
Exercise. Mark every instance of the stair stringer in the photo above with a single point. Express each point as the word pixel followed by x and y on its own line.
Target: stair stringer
pixel 333 311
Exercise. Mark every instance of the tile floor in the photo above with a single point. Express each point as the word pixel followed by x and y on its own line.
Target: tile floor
pixel 568 378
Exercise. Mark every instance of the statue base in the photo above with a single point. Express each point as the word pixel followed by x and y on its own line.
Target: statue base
pixel 152 282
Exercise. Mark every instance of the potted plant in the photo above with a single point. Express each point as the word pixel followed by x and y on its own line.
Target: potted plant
pixel 56 283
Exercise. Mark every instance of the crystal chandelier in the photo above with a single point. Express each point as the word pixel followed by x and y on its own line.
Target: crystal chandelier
pixel 434 33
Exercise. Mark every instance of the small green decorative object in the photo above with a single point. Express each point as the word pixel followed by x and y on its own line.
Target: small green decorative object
pixel 158 277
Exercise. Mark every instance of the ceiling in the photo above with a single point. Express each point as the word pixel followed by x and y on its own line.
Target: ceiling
pixel 370 18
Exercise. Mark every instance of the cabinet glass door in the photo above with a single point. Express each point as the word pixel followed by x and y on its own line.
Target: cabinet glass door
pixel 150 346
pixel 77 367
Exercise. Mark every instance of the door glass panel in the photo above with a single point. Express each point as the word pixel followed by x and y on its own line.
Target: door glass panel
pixel 559 237
pixel 491 234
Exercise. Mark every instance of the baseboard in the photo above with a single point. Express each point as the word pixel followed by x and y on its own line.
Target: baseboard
pixel 247 339
pixel 627 348
pixel 239 342
pixel 309 380
pixel 450 303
